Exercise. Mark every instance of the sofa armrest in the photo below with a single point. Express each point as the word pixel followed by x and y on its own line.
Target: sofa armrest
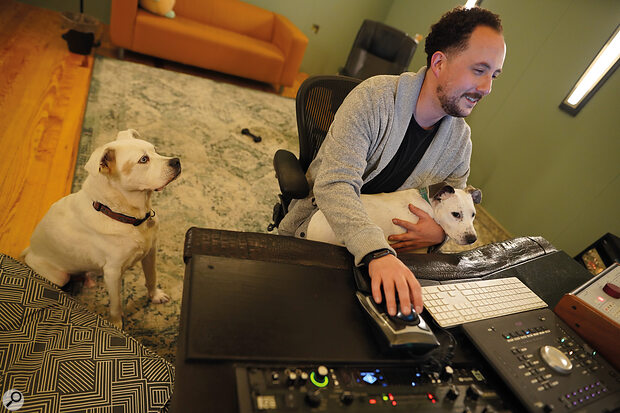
pixel 122 22
pixel 288 38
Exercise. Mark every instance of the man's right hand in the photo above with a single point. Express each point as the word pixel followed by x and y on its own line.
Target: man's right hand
pixel 389 272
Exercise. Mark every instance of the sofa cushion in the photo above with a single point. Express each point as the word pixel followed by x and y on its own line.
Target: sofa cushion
pixel 210 47
pixel 233 15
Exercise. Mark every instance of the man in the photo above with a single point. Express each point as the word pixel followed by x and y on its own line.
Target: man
pixel 398 132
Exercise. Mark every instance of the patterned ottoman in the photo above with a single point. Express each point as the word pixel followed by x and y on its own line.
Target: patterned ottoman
pixel 63 358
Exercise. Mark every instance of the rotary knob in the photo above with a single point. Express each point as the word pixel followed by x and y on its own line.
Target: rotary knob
pixel 612 290
pixel 291 378
pixel 453 393
pixel 556 359
pixel 473 392
pixel 346 398
pixel 313 398
pixel 319 377
pixel 446 373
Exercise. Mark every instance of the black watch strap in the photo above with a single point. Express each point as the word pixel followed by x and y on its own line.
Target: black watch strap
pixel 376 254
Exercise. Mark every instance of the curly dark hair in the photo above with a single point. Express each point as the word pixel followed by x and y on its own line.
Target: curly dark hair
pixel 453 30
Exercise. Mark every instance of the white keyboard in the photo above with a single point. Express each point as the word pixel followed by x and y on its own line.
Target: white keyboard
pixel 458 303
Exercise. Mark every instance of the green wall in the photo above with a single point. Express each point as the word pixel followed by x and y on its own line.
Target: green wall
pixel 338 23
pixel 542 171
pixel 547 172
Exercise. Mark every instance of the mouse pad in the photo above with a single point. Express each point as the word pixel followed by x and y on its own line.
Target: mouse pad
pixel 263 311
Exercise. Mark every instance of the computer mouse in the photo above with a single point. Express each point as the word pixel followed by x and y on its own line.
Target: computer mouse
pixel 398 331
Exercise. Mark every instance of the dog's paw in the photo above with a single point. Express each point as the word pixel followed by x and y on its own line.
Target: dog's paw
pixel 159 297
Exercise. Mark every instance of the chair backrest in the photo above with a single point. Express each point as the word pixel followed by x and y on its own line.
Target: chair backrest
pixel 379 49
pixel 318 99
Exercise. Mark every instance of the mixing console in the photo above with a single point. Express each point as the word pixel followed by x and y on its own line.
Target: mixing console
pixel 367 389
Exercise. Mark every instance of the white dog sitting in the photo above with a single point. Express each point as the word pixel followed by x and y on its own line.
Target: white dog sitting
pixel 108 225
pixel 453 209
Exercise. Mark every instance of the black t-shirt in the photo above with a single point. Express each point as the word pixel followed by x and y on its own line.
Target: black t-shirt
pixel 410 152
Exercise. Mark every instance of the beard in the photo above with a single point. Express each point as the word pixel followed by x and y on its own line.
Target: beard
pixel 450 104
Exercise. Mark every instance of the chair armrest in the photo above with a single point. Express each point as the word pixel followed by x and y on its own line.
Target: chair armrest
pixel 123 22
pixel 292 42
pixel 292 180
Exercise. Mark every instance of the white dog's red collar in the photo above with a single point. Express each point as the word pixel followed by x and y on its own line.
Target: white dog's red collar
pixel 125 219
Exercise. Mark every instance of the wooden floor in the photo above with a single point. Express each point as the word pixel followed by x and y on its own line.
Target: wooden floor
pixel 43 92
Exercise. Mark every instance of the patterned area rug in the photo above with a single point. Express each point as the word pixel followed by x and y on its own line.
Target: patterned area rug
pixel 227 180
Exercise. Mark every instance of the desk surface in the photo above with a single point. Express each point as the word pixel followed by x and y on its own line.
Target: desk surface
pixel 245 310
pixel 256 310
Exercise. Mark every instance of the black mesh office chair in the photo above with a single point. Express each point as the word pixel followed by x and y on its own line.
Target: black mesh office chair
pixel 317 101
pixel 379 50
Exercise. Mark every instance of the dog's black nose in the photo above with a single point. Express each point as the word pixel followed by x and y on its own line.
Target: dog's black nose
pixel 175 163
pixel 470 238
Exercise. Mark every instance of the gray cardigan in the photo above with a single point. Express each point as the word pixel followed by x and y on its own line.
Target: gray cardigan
pixel 366 133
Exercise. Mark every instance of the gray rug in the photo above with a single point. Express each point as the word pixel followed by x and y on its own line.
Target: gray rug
pixel 227 180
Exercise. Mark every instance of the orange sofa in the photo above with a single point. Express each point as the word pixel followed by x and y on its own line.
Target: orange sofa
pixel 227 36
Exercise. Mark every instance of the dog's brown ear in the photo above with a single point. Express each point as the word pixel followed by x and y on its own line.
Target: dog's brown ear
pixel 107 164
pixel 443 192
pixel 475 193
pixel 434 188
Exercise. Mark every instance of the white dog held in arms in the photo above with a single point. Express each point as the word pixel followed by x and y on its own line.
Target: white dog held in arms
pixel 453 209
pixel 108 225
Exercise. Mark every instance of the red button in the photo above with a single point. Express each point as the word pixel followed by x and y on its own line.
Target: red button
pixel 612 290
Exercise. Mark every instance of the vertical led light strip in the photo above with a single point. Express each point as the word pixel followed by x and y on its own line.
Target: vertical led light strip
pixel 603 65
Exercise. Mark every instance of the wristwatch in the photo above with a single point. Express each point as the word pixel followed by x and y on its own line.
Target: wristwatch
pixel 376 254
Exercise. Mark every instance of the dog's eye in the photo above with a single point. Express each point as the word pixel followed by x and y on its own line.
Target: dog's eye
pixel 456 215
pixel 473 215
pixel 144 159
